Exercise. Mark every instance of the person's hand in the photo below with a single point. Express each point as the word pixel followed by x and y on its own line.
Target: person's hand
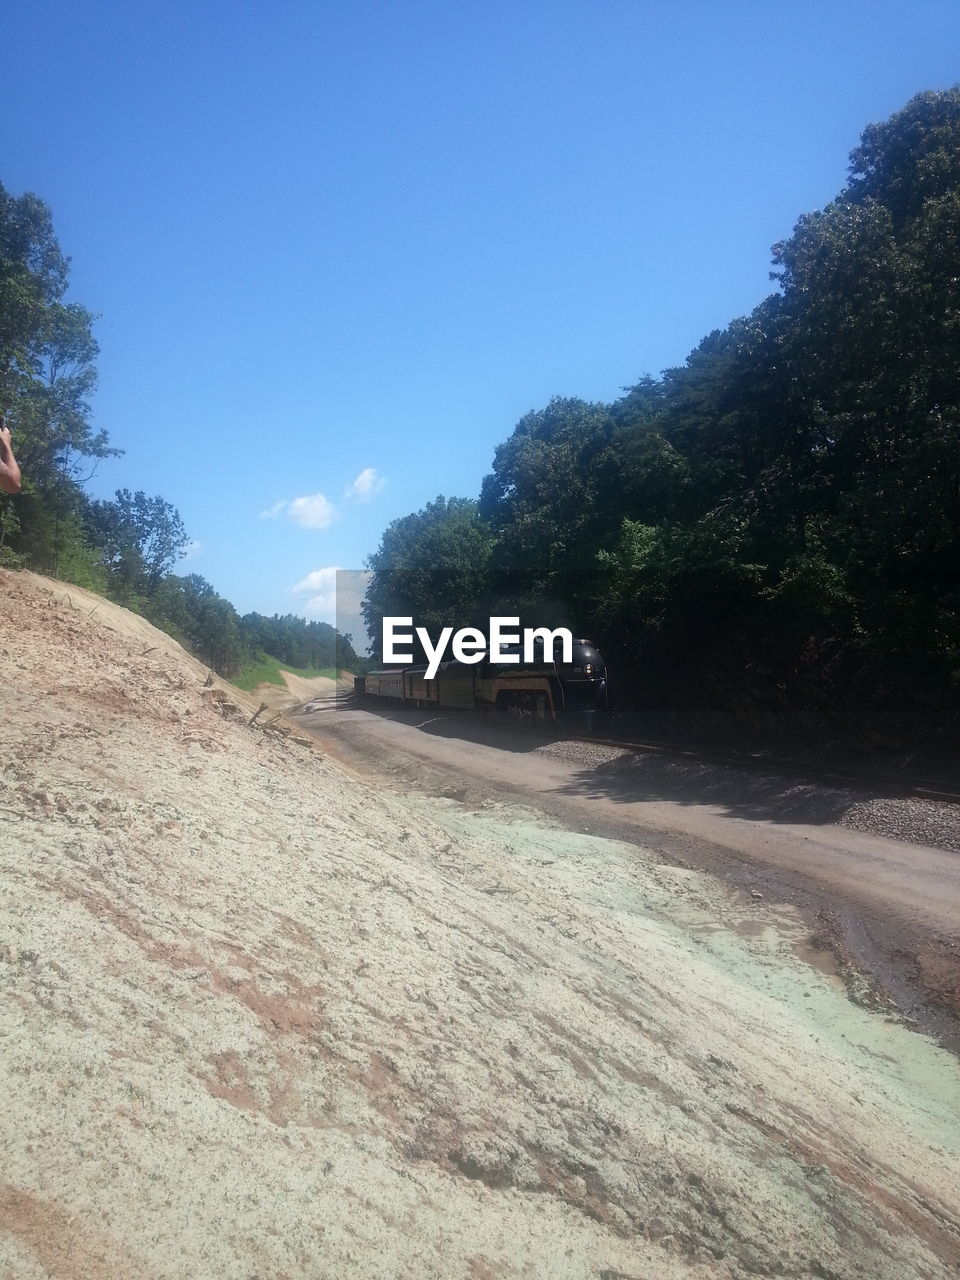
pixel 9 470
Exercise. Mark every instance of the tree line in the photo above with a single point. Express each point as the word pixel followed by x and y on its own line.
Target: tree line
pixel 125 548
pixel 770 532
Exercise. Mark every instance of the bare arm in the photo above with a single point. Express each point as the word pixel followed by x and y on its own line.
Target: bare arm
pixel 9 471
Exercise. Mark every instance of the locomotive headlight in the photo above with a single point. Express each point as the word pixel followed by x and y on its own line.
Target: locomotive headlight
pixel 588 669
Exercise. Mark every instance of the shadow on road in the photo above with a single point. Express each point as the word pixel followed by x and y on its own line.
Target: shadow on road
pixel 740 793
pixel 626 777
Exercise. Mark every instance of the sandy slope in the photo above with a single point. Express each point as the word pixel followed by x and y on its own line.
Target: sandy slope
pixel 258 1019
pixel 299 689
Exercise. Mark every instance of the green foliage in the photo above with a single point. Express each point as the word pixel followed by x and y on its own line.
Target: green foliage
pixel 298 644
pixel 546 499
pixel 77 561
pixel 432 564
pixel 9 520
pixel 782 512
pixel 628 588
pixel 11 559
pixel 263 669
pixel 124 548
pixel 140 540
pixel 47 374
pixel 192 611
pixel 47 353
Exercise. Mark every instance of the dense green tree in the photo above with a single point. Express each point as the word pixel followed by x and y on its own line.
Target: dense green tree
pixel 870 285
pixel 545 497
pixel 204 621
pixel 431 566
pixel 778 518
pixel 296 642
pixel 47 375
pixel 140 539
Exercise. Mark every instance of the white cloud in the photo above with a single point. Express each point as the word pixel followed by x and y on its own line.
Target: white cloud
pixel 318 580
pixel 334 595
pixel 367 483
pixel 277 509
pixel 313 511
pixel 321 588
pixel 316 511
pixel 192 549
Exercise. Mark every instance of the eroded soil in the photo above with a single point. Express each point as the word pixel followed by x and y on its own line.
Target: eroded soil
pixel 259 1017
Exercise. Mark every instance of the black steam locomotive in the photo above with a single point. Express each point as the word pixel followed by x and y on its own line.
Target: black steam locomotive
pixel 538 692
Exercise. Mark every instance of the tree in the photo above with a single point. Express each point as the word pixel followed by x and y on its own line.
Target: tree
pixel 548 504
pixel 140 539
pixel 786 502
pixel 910 160
pixel 201 619
pixel 431 566
pixel 870 285
pixel 47 375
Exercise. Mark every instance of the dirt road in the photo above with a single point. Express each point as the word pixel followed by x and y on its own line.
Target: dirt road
pixel 887 908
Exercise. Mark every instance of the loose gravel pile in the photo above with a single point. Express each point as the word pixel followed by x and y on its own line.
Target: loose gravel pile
pixel 929 822
pixel 590 755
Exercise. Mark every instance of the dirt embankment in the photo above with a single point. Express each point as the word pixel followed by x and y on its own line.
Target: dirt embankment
pixel 259 1019
pixel 298 689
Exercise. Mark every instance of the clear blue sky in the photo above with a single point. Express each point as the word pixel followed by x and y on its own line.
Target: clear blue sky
pixel 357 239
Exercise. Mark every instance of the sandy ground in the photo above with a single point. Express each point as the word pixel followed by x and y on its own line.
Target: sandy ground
pixel 259 1018
pixel 298 690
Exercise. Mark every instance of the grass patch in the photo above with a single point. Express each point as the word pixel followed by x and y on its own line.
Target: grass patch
pixel 266 670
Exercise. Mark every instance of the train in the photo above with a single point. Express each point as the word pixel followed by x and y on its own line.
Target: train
pixel 539 693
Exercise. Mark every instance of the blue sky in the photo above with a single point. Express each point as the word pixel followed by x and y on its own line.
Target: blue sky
pixel 339 249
